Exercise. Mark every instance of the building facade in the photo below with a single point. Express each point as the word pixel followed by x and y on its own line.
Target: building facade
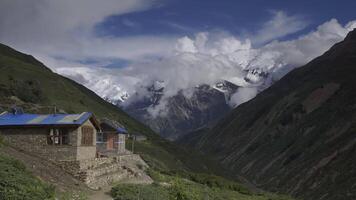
pixel 112 138
pixel 57 137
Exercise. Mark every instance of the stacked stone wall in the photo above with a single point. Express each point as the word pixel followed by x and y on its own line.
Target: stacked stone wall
pixel 34 141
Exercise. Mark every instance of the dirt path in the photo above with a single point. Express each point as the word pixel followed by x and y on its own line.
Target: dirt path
pixel 102 194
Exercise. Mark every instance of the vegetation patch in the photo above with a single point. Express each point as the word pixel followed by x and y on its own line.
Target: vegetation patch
pixel 177 188
pixel 18 183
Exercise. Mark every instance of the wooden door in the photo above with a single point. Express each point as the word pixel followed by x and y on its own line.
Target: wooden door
pixel 110 141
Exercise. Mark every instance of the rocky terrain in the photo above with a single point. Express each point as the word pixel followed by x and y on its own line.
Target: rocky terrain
pixel 204 107
pixel 26 82
pixel 298 136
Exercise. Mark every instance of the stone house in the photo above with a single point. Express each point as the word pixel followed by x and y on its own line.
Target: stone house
pixel 111 139
pixel 57 137
pixel 70 141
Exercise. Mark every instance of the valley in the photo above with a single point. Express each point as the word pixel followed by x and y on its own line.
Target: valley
pixel 177 100
pixel 296 137
pixel 27 83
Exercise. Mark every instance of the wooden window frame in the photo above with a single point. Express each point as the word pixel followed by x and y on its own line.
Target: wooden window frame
pixel 87 136
pixel 58 136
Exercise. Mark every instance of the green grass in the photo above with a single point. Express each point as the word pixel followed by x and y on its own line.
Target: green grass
pixel 72 195
pixel 16 182
pixel 168 187
pixel 37 89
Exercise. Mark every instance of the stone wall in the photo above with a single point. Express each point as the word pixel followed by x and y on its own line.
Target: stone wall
pixel 86 152
pixel 121 143
pixel 91 170
pixel 34 141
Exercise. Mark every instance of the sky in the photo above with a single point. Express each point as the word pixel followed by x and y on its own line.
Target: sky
pixel 115 47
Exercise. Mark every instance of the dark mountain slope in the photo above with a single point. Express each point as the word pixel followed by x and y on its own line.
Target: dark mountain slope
pixel 298 136
pixel 26 82
pixel 203 108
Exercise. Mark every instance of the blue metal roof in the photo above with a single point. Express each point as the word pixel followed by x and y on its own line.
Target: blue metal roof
pixel 122 130
pixel 9 119
pixel 114 125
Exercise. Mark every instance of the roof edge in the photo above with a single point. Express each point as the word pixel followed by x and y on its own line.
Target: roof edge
pixel 4 113
pixel 81 115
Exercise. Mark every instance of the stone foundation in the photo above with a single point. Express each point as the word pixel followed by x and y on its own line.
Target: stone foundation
pixel 101 172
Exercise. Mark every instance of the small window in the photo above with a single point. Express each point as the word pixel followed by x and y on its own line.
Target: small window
pixel 100 137
pixel 58 137
pixel 87 136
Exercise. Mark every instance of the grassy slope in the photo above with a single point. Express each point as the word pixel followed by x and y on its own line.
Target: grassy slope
pixel 16 182
pixel 275 141
pixel 36 88
pixel 34 84
pixel 193 187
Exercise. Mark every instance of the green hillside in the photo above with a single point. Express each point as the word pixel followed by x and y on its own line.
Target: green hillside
pixel 298 136
pixel 26 82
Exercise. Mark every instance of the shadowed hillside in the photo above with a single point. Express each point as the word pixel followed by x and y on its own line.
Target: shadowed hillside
pixel 298 136
pixel 26 82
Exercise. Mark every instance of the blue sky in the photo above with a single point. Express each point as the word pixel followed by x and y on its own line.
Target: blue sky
pixel 115 46
pixel 186 17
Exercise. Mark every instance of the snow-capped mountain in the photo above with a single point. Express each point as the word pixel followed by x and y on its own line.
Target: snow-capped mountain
pixel 188 85
pixel 184 112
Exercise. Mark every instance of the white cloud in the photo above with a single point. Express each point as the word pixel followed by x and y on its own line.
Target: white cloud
pixel 242 95
pixel 207 59
pixel 62 33
pixel 280 25
pixel 66 29
pixel 186 44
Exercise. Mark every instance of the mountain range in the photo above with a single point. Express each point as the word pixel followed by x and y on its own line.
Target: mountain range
pixel 189 109
pixel 183 114
pixel 297 136
pixel 27 83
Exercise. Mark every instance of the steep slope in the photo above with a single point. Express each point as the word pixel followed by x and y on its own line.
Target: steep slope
pixel 298 136
pixel 184 114
pixel 26 82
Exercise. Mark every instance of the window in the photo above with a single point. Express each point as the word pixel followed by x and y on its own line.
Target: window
pixel 58 137
pixel 87 136
pixel 100 137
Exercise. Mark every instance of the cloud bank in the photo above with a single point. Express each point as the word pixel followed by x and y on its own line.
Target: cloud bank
pixel 208 59
pixel 65 29
pixel 63 35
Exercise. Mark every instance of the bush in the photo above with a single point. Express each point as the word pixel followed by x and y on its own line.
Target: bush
pixel 18 183
pixel 144 192
pixel 27 91
pixel 212 181
pixel 182 191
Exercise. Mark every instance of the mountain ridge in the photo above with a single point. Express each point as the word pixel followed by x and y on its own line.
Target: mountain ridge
pixel 184 114
pixel 26 82
pixel 296 136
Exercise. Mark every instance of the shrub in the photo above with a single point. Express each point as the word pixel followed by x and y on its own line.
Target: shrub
pixel 182 191
pixel 28 91
pixel 218 182
pixel 144 192
pixel 18 183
